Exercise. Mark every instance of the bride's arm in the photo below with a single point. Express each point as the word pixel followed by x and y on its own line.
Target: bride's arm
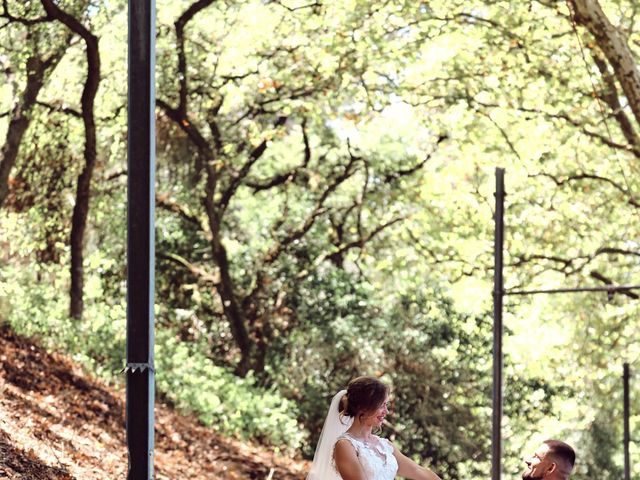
pixel 409 469
pixel 347 462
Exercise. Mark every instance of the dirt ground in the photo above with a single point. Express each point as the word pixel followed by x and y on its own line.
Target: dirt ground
pixel 57 423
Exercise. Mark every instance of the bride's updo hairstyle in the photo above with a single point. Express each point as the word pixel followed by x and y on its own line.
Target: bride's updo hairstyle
pixel 364 396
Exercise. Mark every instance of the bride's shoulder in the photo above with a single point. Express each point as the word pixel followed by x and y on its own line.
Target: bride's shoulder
pixel 346 439
pixel 345 447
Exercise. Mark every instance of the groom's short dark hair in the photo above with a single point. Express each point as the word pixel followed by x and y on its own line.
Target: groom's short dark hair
pixel 561 450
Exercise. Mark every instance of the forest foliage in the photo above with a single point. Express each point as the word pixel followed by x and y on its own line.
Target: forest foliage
pixel 324 203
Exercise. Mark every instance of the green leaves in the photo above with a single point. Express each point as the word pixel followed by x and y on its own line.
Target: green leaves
pixel 329 170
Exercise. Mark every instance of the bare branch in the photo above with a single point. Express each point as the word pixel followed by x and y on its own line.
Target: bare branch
pixel 180 25
pixel 289 176
pixel 604 139
pixel 319 209
pixel 607 281
pixel 116 174
pixel 502 131
pixel 314 5
pixel 573 265
pixel 59 107
pixel 410 171
pixel 615 251
pixel 195 270
pixel 567 263
pixel 588 176
pixel 165 202
pixel 467 269
pixel 254 156
pixel 24 21
pixel 361 241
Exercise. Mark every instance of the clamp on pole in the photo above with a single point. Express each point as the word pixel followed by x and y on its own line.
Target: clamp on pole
pixel 132 367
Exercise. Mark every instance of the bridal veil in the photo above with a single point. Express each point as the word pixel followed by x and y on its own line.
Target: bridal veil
pixel 334 426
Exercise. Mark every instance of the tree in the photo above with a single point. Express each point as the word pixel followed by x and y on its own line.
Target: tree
pixel 274 104
pixel 325 181
pixel 42 57
pixel 538 93
pixel 83 188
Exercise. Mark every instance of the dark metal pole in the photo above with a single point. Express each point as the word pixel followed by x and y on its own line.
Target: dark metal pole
pixel 498 292
pixel 603 288
pixel 140 240
pixel 627 457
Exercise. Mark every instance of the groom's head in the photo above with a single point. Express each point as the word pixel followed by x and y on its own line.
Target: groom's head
pixel 553 460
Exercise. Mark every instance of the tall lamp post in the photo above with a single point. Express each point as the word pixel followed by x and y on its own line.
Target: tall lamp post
pixel 499 292
pixel 140 371
pixel 627 430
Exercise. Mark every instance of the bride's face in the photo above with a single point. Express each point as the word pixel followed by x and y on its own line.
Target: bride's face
pixel 378 416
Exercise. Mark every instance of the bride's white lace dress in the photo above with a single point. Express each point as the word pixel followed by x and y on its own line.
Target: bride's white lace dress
pixel 376 458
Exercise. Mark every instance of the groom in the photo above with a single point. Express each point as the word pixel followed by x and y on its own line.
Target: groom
pixel 553 460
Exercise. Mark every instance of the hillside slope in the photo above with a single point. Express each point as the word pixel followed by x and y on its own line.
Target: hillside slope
pixel 56 423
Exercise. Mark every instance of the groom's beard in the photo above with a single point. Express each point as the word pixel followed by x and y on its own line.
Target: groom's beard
pixel 531 476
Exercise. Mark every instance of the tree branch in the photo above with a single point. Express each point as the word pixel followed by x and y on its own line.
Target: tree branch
pixel 195 270
pixel 289 176
pixel 37 70
pixel 611 97
pixel 319 209
pixel 410 171
pixel 337 255
pixel 24 21
pixel 238 177
pixel 615 251
pixel 572 121
pixel 165 202
pixel 180 25
pixel 315 5
pixel 613 44
pixel 607 281
pixel 60 108
pixel 588 176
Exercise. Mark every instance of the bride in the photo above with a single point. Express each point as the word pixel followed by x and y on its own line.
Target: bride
pixel 348 450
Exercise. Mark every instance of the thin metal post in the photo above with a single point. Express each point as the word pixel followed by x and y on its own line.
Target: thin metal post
pixel 140 240
pixel 498 292
pixel 627 457
pixel 603 288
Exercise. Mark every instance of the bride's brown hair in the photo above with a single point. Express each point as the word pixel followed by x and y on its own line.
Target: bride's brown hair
pixel 364 395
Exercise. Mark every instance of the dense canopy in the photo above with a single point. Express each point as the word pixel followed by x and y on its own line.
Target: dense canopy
pixel 324 209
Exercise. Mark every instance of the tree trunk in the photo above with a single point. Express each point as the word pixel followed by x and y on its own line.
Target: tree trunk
pixel 83 186
pixel 38 69
pixel 226 289
pixel 613 44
